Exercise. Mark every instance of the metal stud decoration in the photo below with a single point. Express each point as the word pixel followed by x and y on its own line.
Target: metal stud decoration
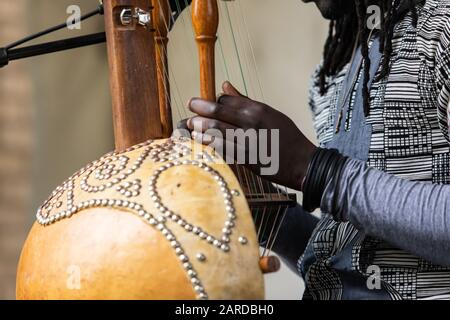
pixel 114 171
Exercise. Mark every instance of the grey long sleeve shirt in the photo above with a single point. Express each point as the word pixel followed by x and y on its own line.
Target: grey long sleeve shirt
pixel 414 216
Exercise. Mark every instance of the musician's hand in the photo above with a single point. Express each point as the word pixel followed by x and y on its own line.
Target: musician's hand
pixel 235 111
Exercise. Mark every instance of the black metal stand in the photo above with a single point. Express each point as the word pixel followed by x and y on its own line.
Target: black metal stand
pixel 49 47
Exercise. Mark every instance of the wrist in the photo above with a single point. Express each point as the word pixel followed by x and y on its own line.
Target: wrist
pixel 303 160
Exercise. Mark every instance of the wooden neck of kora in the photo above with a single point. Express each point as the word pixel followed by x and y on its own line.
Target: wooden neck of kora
pixel 133 77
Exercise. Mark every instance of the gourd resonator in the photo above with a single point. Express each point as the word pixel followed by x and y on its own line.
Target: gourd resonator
pixel 159 218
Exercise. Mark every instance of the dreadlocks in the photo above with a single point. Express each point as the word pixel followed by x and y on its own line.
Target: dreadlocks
pixel 342 38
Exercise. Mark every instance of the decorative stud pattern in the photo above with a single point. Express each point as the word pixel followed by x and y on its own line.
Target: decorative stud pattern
pixel 114 169
pixel 109 169
pixel 223 243
pixel 201 257
pixel 130 189
pixel 205 157
pixel 243 240
pixel 169 151
pixel 146 216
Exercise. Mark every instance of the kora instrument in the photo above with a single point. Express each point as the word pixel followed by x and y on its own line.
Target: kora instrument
pixel 161 217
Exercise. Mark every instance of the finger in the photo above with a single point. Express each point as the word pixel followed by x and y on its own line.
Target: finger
pixel 183 124
pixel 213 110
pixel 182 130
pixel 225 131
pixel 228 150
pixel 237 103
pixel 231 152
pixel 203 124
pixel 202 138
pixel 229 89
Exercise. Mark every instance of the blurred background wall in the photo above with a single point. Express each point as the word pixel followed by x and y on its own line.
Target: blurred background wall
pixel 55 110
pixel 16 142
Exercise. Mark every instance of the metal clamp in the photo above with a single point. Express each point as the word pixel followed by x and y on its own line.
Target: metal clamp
pixel 142 17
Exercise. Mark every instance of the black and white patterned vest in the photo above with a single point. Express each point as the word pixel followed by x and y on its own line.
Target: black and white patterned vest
pixel 409 121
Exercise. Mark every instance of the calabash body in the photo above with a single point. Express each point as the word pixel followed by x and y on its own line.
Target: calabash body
pixel 163 220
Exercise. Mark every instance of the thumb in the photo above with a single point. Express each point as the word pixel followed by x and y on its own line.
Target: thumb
pixel 230 90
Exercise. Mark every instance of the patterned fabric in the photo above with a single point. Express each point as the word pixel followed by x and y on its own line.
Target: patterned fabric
pixel 409 118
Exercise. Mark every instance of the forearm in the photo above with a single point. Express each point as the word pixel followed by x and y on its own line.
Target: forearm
pixel 414 216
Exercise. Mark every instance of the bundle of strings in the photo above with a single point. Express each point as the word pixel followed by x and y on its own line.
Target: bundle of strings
pixel 342 39
pixel 232 37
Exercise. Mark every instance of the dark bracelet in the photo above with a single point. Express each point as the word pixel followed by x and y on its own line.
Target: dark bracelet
pixel 325 165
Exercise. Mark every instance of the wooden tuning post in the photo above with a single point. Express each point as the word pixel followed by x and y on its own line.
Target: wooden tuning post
pixel 205 18
pixel 133 78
